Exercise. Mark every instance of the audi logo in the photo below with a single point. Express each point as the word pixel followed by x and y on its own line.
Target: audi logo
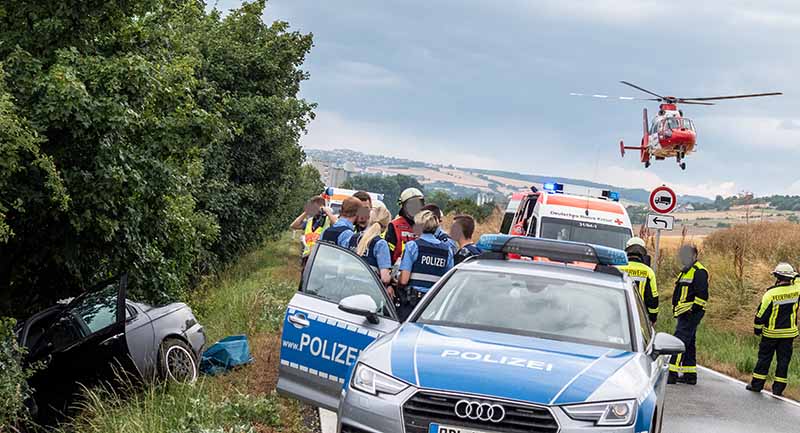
pixel 480 411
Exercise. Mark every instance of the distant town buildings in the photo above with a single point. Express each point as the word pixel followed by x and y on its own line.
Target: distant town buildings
pixel 333 174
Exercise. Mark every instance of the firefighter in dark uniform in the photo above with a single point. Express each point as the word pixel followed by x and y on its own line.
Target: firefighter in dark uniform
pixel 642 275
pixel 425 260
pixel 776 323
pixel 401 229
pixel 689 306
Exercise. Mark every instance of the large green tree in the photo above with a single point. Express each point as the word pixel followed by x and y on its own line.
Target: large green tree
pixel 150 136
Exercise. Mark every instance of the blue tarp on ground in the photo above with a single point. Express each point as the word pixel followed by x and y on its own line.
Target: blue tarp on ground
pixel 226 354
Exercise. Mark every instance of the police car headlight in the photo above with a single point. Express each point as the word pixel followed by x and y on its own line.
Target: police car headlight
pixel 372 381
pixel 615 413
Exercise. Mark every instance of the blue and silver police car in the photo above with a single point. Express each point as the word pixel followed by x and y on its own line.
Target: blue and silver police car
pixel 558 343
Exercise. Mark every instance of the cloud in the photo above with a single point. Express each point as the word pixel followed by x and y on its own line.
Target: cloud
pixel 362 74
pixel 647 179
pixel 757 132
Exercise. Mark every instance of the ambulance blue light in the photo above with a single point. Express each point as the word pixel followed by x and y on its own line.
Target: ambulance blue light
pixel 614 195
pixel 553 250
pixel 553 187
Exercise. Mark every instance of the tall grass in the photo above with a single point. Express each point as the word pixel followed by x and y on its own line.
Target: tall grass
pixel 249 298
pixel 739 260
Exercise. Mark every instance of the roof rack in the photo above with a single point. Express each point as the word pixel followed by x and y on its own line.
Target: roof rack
pixel 553 250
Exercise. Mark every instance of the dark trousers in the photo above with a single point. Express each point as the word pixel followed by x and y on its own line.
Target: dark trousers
pixel 686 331
pixel 781 348
pixel 407 300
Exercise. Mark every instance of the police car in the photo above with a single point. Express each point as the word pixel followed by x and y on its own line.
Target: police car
pixel 497 345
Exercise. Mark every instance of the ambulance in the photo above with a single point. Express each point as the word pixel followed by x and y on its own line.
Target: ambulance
pixel 335 196
pixel 550 213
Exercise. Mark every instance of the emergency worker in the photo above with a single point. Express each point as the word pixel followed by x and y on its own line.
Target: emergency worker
pixel 340 232
pixel 689 306
pixel 642 275
pixel 401 229
pixel 425 260
pixel 462 230
pixel 440 233
pixel 363 221
pixel 373 248
pixel 316 217
pixel 776 323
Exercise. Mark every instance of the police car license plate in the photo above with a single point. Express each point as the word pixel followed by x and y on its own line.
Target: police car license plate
pixel 439 428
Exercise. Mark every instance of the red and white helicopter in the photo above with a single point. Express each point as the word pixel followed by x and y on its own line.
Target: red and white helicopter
pixel 669 134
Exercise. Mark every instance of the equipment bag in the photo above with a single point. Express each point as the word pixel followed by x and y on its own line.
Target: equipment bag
pixel 226 354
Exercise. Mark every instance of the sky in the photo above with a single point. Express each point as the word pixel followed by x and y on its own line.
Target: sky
pixel 487 83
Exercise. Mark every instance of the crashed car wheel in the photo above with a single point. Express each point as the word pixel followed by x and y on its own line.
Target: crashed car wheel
pixel 177 361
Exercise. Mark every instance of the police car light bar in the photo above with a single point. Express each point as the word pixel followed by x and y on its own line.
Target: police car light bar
pixel 557 251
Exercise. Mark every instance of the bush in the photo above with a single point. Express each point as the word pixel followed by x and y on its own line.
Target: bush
pixel 148 136
pixel 13 389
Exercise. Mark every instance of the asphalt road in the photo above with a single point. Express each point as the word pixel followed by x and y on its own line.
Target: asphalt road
pixel 717 404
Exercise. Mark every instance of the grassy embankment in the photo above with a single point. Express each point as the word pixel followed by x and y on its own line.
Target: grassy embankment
pixel 249 298
pixel 739 260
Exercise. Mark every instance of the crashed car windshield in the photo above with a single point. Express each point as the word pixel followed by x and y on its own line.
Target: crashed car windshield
pixel 532 305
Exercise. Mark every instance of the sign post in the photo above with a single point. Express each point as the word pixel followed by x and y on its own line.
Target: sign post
pixel 662 201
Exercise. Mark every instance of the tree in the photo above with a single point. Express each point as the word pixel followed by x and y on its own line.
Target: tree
pixel 146 136
pixel 389 186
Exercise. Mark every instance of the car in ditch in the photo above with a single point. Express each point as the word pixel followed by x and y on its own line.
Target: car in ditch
pixel 102 336
pixel 543 343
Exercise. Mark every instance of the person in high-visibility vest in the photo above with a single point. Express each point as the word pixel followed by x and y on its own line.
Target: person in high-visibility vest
pixel 642 275
pixel 316 217
pixel 401 229
pixel 689 306
pixel 776 323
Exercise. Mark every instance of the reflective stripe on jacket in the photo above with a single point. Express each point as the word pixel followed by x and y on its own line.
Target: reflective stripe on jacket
pixel 645 280
pixel 776 316
pixel 311 236
pixel 688 294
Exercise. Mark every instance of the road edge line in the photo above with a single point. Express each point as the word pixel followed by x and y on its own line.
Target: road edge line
pixel 733 379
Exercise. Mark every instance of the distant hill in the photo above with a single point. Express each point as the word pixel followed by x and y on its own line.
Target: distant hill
pixel 367 161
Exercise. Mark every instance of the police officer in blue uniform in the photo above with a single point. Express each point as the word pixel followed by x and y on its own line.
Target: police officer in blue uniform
pixel 462 230
pixel 341 232
pixel 440 233
pixel 425 260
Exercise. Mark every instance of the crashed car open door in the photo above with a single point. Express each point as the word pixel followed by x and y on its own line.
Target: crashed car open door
pixel 323 331
pixel 84 343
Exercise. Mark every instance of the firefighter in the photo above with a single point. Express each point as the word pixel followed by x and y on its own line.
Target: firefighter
pixel 401 229
pixel 340 232
pixel 689 306
pixel 776 323
pixel 424 261
pixel 313 221
pixel 642 275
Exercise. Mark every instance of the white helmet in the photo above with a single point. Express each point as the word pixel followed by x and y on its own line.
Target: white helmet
pixel 635 241
pixel 408 194
pixel 784 270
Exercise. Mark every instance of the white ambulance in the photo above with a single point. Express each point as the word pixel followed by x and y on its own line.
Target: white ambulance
pixel 335 196
pixel 551 214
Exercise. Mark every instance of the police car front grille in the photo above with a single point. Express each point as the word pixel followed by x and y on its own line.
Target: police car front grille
pixel 425 408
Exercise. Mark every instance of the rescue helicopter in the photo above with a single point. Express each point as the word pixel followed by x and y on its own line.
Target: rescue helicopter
pixel 669 134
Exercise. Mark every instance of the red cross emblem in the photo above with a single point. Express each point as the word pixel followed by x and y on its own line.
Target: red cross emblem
pixel 618 221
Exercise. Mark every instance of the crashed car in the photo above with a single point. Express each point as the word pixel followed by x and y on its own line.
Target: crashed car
pixel 103 336
pixel 560 342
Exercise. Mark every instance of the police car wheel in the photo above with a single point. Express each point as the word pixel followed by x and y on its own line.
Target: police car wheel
pixel 176 361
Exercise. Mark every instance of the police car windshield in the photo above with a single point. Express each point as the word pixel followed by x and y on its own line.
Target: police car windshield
pixel 579 231
pixel 532 305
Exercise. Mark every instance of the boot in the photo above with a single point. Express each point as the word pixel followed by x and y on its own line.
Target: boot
pixel 689 378
pixel 755 385
pixel 672 379
pixel 778 388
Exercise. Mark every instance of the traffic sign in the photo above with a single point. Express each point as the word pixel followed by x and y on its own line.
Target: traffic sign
pixel 660 222
pixel 663 200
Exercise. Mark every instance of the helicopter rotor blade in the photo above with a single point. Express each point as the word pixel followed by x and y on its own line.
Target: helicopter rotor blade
pixel 717 98
pixel 621 98
pixel 680 101
pixel 660 98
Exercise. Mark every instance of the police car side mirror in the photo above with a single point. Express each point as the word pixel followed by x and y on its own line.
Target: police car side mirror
pixel 666 344
pixel 361 305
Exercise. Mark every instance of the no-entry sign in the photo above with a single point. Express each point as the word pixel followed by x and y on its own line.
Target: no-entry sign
pixel 663 200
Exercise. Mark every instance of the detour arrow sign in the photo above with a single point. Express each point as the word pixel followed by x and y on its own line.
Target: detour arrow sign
pixel 660 222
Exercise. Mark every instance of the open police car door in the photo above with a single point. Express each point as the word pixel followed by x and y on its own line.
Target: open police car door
pixel 340 309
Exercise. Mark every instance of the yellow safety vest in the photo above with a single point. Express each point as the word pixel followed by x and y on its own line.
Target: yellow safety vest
pixel 641 274
pixel 685 299
pixel 777 314
pixel 311 236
